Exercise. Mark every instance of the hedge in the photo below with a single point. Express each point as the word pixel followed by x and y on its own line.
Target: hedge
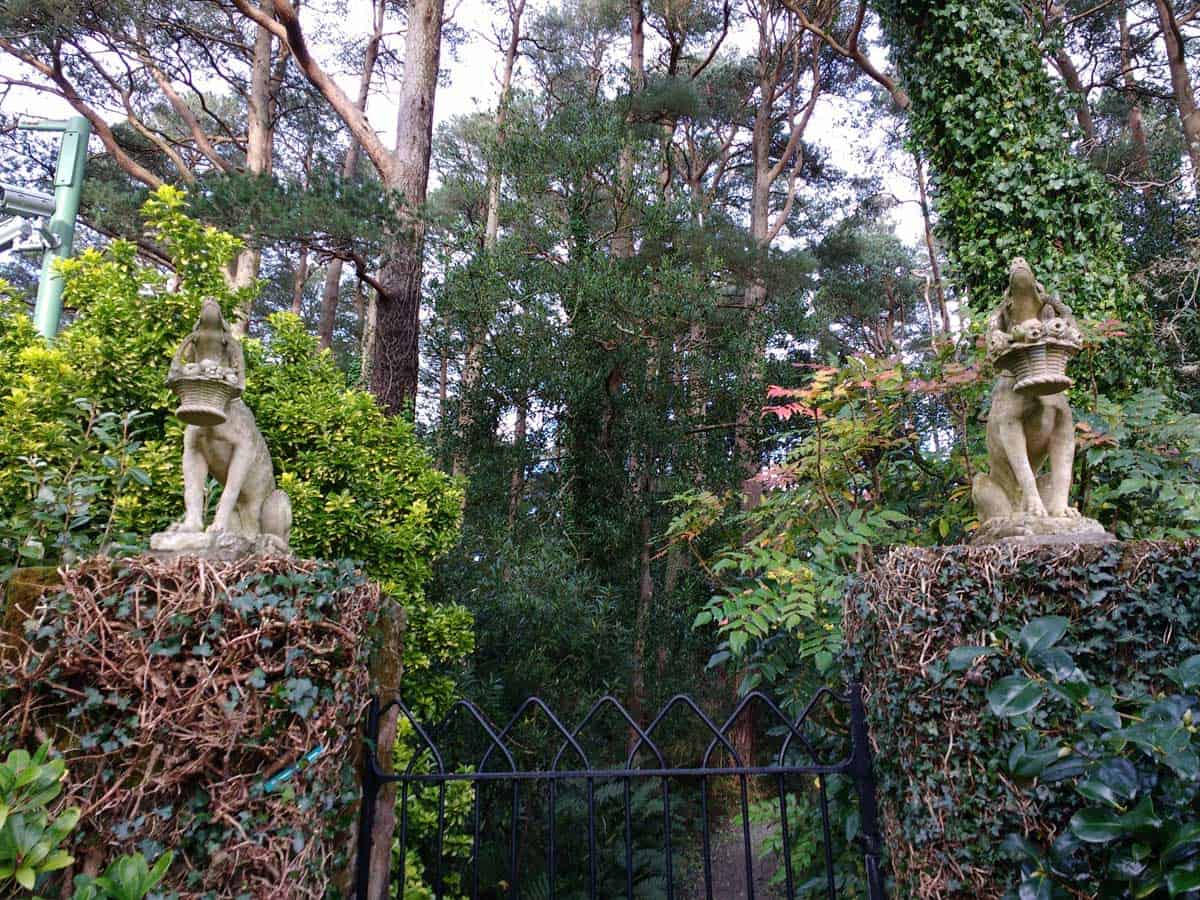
pixel 179 694
pixel 1003 685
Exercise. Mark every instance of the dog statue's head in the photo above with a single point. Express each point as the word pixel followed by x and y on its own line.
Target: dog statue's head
pixel 1020 274
pixel 210 316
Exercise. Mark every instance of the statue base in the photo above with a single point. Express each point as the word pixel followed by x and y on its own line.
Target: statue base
pixel 223 546
pixel 1028 530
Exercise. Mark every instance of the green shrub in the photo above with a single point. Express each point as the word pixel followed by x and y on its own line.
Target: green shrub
pixel 30 837
pixel 1140 467
pixel 956 779
pixel 126 878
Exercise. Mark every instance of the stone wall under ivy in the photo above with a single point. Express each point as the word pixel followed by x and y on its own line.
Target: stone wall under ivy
pixel 998 683
pixel 177 690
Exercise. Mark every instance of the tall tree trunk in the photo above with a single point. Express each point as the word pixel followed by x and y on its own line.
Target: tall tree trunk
pixel 477 332
pixel 299 279
pixel 331 290
pixel 443 383
pixel 259 140
pixel 1083 112
pixel 495 173
pixel 517 485
pixel 935 270
pixel 645 609
pixel 762 180
pixel 395 362
pixel 777 82
pixel 370 317
pixel 1181 82
pixel 621 244
pixel 621 247
pixel 1140 163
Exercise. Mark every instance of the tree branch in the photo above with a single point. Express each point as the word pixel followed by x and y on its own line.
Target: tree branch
pixel 101 129
pixel 286 26
pixel 851 50
pixel 203 144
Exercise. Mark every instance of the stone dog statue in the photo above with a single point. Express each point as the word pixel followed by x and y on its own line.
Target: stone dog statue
pixel 208 373
pixel 1030 336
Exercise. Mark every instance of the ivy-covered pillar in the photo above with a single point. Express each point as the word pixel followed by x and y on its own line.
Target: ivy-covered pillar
pixel 998 132
pixel 1033 712
pixel 209 708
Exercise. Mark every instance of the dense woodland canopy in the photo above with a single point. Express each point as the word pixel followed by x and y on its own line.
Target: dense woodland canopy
pixel 687 368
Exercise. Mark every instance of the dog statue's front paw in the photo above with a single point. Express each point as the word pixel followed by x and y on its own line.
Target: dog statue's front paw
pixel 1063 512
pixel 1033 506
pixel 185 526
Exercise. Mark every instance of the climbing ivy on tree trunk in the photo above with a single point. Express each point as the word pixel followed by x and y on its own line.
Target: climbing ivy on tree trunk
pixel 997 132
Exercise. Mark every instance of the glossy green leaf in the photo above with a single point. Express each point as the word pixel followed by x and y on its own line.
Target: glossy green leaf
pixel 962 658
pixel 25 877
pixel 1097 826
pixel 1042 633
pixel 1014 695
pixel 1180 881
pixel 1187 673
pixel 1183 842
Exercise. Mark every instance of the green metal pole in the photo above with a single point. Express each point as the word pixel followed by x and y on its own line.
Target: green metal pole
pixel 68 185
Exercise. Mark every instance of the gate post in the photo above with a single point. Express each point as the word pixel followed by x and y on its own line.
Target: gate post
pixel 864 782
pixel 370 792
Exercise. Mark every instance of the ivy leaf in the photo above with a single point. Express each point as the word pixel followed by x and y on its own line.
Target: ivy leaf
pixel 1036 886
pixel 1180 881
pixel 1184 841
pixel 1019 846
pixel 1097 826
pixel 1030 762
pixel 1128 862
pixel 1187 673
pixel 1014 695
pixel 1114 782
pixel 1042 633
pixel 1142 819
pixel 1071 767
pixel 1098 792
pixel 1057 663
pixel 962 658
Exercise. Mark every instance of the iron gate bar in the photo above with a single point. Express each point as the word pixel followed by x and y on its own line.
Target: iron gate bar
pixel 857 766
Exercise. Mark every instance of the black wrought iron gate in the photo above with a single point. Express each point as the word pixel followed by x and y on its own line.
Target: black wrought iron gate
pixel 740 820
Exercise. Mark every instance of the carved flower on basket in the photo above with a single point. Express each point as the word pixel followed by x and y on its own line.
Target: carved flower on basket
pixel 998 342
pixel 1029 330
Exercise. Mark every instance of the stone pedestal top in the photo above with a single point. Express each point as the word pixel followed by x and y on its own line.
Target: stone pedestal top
pixel 1023 528
pixel 224 546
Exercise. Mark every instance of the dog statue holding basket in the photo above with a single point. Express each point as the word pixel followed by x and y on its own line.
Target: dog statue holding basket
pixel 208 373
pixel 1031 336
